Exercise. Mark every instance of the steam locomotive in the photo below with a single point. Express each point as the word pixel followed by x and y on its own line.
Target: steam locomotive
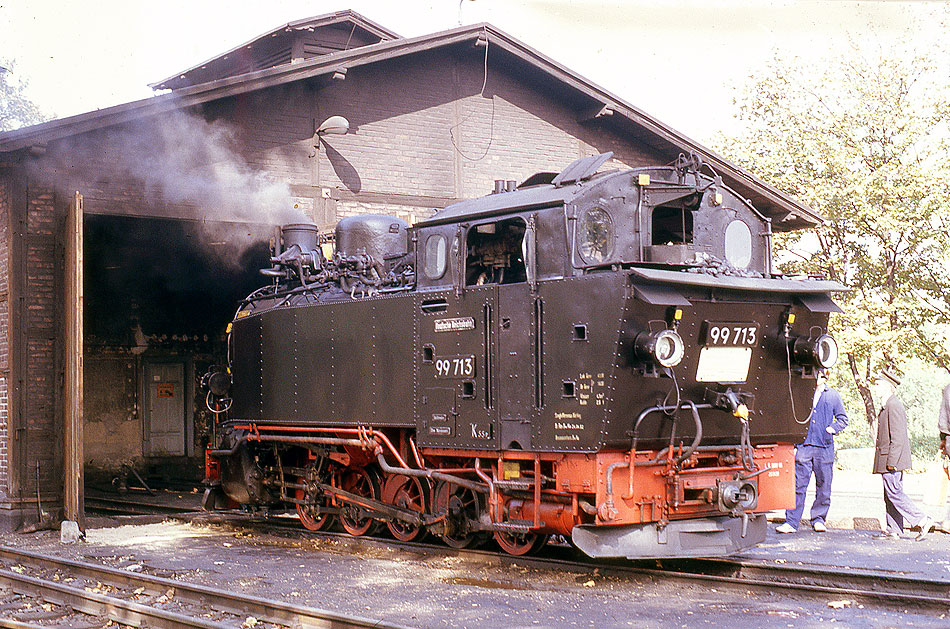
pixel 606 356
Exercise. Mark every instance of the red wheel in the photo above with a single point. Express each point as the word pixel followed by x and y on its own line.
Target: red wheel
pixel 361 482
pixel 520 543
pixel 312 515
pixel 406 493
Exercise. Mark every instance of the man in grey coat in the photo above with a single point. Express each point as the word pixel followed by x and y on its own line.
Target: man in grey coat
pixel 891 458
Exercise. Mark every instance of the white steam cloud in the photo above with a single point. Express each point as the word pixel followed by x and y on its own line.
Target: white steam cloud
pixel 180 166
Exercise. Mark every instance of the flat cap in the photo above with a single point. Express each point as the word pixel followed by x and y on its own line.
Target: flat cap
pixel 888 376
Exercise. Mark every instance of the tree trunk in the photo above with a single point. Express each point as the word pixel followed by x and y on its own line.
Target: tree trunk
pixel 863 390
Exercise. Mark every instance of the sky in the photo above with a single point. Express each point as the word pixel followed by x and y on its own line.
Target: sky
pixel 681 61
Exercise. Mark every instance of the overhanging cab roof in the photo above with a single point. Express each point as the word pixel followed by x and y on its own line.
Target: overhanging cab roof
pixel 592 104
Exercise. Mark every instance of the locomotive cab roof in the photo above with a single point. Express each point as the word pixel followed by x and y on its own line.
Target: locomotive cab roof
pixel 540 190
pixel 545 189
pixel 659 219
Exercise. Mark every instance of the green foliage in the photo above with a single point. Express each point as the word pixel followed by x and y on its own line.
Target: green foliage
pixel 862 139
pixel 16 110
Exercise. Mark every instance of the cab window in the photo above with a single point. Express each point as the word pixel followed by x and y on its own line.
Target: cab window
pixel 494 253
pixel 435 261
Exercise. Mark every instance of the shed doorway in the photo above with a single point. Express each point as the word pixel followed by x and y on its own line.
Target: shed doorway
pixel 159 292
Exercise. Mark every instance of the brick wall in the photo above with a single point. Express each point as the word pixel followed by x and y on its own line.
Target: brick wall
pixel 422 134
pixel 44 347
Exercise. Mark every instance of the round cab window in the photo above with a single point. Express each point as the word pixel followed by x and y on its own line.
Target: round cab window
pixel 595 236
pixel 435 257
pixel 738 244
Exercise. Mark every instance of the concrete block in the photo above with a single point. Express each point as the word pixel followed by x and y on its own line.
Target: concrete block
pixel 867 524
pixel 69 532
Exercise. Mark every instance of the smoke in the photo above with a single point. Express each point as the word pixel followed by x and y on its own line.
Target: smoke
pixel 183 166
pixel 195 162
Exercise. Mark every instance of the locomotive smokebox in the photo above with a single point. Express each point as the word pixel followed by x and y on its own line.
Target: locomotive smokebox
pixel 376 235
pixel 305 235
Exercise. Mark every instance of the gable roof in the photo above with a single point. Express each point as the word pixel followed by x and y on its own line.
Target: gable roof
pixel 589 100
pixel 290 43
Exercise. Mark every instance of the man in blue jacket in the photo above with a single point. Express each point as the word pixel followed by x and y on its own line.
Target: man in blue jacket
pixel 816 455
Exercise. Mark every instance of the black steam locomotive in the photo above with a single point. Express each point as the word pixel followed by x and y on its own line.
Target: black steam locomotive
pixel 604 356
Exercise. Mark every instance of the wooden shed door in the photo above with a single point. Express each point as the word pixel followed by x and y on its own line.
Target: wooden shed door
pixel 165 409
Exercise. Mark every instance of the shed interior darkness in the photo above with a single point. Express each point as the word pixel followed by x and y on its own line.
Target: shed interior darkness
pixel 158 294
pixel 173 277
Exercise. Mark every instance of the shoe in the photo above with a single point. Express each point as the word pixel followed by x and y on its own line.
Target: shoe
pixel 819 526
pixel 786 528
pixel 887 535
pixel 926 525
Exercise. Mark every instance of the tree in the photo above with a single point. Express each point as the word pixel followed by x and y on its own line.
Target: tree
pixel 16 110
pixel 862 140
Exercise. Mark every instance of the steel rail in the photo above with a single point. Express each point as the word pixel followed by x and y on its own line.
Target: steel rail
pixel 96 604
pixel 872 589
pixel 6 623
pixel 854 579
pixel 203 597
pixel 101 504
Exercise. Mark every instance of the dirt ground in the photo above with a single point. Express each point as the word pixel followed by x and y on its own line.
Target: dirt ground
pixel 443 590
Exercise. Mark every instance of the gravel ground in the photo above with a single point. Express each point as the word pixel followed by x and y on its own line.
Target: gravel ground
pixel 442 590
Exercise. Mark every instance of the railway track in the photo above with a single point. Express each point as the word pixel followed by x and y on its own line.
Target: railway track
pixel 877 589
pixel 66 587
pixel 102 505
pixel 872 589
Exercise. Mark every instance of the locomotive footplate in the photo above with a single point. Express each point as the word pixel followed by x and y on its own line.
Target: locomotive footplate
pixel 707 537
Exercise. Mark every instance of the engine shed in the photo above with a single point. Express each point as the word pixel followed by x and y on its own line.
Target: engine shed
pixel 128 235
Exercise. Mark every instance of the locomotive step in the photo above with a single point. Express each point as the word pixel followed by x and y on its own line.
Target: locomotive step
pixel 523 485
pixel 517 526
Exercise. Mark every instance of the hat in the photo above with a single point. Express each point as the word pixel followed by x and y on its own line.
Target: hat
pixel 888 376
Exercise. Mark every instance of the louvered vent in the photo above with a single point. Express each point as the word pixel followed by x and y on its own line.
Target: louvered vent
pixel 279 57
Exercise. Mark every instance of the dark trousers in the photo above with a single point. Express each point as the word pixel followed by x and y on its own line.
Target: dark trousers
pixel 820 462
pixel 898 505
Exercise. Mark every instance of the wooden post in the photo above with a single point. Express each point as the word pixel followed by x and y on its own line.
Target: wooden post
pixel 73 450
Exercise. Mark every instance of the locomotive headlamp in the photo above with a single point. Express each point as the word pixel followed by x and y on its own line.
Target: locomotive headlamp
pixel 817 352
pixel 665 347
pixel 217 380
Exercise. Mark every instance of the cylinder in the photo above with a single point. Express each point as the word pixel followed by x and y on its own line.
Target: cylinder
pixel 558 518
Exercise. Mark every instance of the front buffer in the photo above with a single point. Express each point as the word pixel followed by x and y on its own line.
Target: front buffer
pixel 706 537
